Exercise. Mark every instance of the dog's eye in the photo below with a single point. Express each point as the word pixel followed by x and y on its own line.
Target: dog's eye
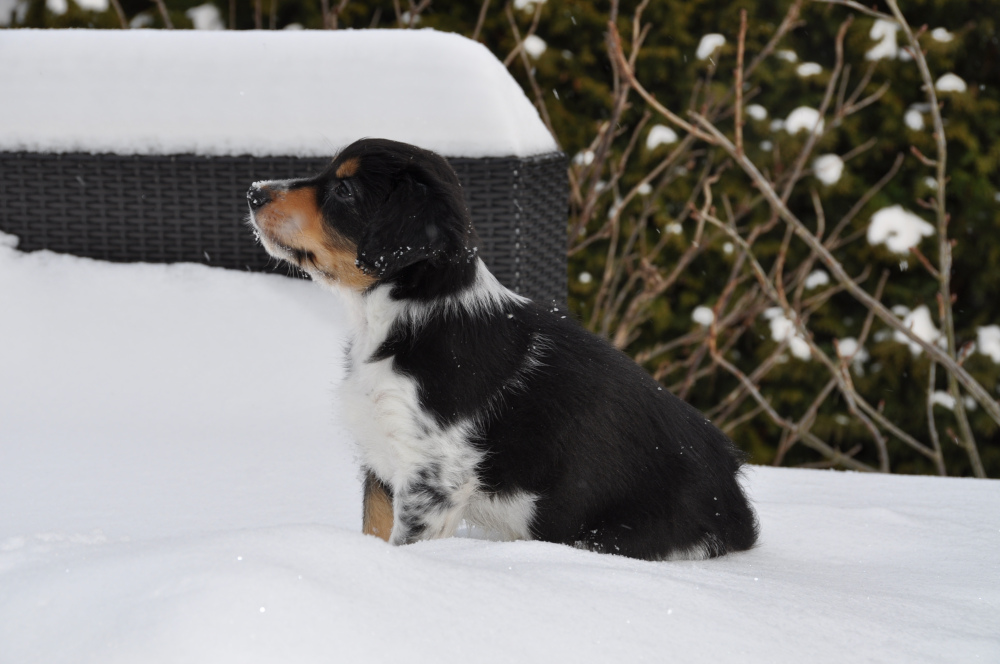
pixel 344 190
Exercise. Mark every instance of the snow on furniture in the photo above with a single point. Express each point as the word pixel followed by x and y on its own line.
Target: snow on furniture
pixel 139 145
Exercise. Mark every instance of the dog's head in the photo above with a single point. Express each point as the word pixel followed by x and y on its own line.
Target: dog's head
pixel 382 212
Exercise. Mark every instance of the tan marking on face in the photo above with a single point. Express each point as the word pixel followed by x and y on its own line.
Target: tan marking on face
pixel 293 219
pixel 348 168
pixel 377 508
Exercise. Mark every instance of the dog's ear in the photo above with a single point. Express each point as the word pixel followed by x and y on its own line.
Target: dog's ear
pixel 418 222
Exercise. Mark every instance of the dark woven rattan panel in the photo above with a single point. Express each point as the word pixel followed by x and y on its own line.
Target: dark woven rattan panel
pixel 187 208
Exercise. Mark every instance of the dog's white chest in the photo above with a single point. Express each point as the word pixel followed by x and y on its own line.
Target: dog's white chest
pixel 382 409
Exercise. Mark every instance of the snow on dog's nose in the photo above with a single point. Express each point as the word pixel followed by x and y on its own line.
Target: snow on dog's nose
pixel 257 196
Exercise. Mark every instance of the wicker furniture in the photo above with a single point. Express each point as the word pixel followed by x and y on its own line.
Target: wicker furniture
pixel 139 145
pixel 187 208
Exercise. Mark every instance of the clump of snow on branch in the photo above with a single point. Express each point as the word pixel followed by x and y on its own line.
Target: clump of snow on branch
pixel 709 44
pixel 816 279
pixel 782 328
pixel 940 398
pixel 898 229
pixel 951 83
pixel 585 158
pixel 988 341
pixel 787 55
pixel 884 32
pixel 803 118
pixel 527 5
pixel 919 322
pixel 913 119
pixel 848 349
pixel 807 69
pixel 206 17
pixel 703 315
pixel 535 46
pixel 941 35
pixel 757 112
pixel 660 135
pixel 828 168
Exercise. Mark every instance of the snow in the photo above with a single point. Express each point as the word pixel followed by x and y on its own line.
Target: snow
pixel 788 55
pixel 660 135
pixel 988 341
pixel 206 17
pixel 93 5
pixel 848 349
pixel 757 112
pixel 527 5
pixel 943 399
pixel 176 489
pixel 898 229
pixel 57 6
pixel 709 44
pixel 6 7
pixel 942 35
pixel 535 46
pixel 919 322
pixel 807 69
pixel 914 119
pixel 703 315
pixel 828 168
pixel 817 278
pixel 782 328
pixel 884 32
pixel 803 118
pixel 302 93
pixel 950 83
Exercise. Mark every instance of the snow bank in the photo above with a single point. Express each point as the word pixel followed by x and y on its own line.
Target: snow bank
pixel 259 92
pixel 176 488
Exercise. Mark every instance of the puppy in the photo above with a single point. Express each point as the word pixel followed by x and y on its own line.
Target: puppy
pixel 471 402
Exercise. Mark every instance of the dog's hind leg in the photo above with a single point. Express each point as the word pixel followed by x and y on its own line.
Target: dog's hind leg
pixel 377 519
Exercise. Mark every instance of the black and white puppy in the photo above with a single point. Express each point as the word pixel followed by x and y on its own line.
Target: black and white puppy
pixel 471 402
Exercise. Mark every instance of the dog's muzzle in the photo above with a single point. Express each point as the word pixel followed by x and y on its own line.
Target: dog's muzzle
pixel 257 197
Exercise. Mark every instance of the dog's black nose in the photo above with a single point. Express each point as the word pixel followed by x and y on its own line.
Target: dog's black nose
pixel 257 196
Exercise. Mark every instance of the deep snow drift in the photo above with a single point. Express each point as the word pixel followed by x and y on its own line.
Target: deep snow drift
pixel 174 487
